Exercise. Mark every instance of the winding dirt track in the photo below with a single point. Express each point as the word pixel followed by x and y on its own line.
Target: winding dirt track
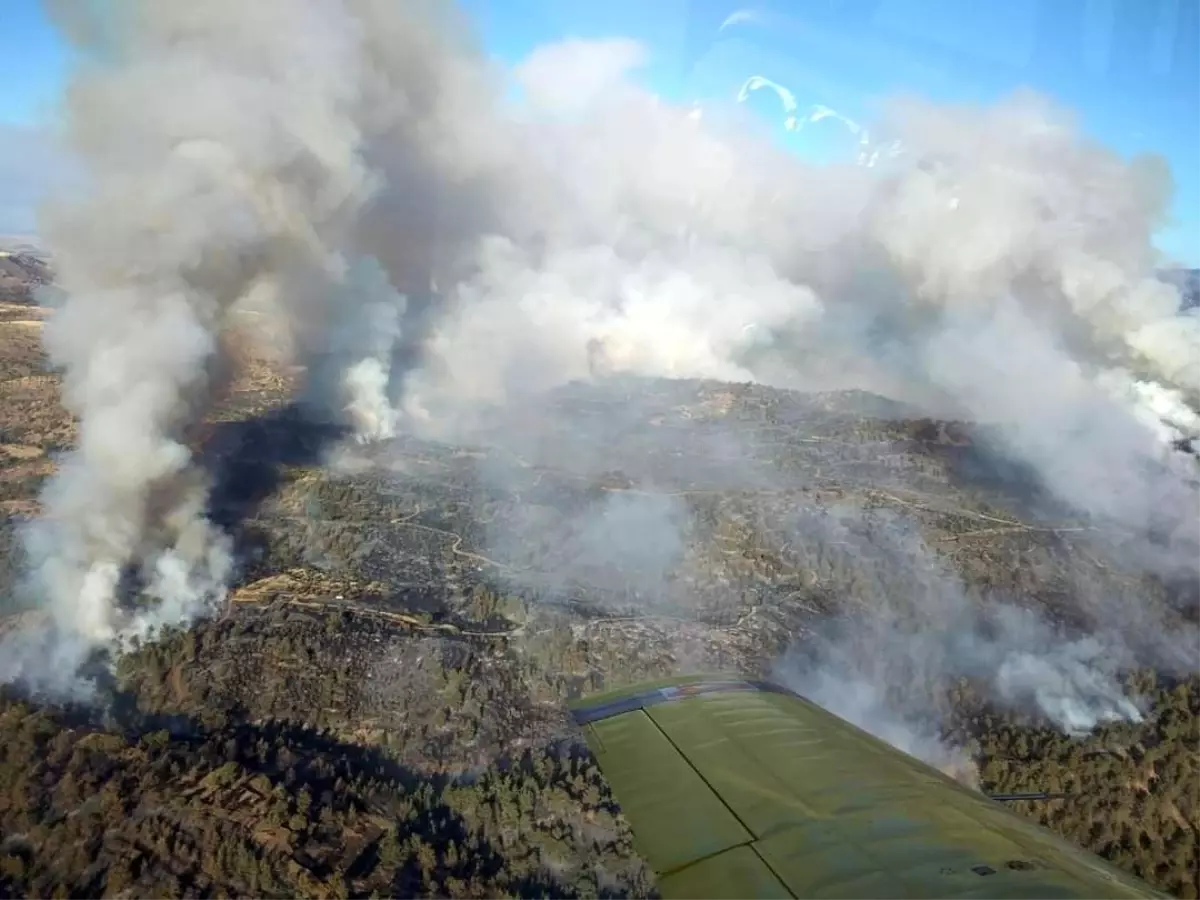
pixel 408 622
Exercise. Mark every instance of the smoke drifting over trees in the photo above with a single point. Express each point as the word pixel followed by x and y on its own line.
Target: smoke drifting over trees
pixel 345 176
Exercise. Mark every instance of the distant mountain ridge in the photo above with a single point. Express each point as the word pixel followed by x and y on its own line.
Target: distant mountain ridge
pixel 21 272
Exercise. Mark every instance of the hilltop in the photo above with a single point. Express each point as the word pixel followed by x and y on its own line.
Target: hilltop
pixel 22 270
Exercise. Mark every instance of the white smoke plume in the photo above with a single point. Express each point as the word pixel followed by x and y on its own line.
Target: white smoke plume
pixel 888 668
pixel 212 165
pixel 430 253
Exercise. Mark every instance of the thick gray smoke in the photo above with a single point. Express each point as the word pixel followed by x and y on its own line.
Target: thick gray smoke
pixel 345 171
pixel 627 542
pixel 887 666
pixel 222 152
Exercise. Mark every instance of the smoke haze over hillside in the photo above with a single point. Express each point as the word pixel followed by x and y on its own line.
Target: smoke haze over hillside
pixel 347 170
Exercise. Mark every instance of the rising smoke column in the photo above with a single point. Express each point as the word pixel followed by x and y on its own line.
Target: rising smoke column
pixel 219 152
pixel 265 158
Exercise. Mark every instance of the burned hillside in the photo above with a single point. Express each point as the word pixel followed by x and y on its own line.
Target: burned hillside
pixel 22 271
pixel 435 604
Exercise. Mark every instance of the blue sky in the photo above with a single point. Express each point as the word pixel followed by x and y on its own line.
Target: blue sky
pixel 32 61
pixel 1130 69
